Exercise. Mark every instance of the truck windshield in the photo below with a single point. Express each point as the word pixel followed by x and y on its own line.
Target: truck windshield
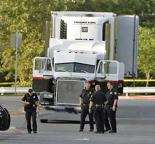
pixel 74 67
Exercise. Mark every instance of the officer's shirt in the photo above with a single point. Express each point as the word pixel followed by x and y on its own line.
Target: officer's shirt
pixel 85 95
pixel 111 95
pixel 32 100
pixel 98 98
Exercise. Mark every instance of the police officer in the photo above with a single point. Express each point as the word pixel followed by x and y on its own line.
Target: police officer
pixel 30 100
pixel 97 100
pixel 84 103
pixel 106 119
pixel 111 106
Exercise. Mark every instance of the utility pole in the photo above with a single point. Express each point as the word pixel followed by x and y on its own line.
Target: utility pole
pixel 16 63
pixel 16 39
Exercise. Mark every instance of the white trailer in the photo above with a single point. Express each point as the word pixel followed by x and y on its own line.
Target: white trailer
pixel 85 46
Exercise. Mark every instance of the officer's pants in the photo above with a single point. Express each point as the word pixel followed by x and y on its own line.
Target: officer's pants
pixel 31 114
pixel 99 119
pixel 84 113
pixel 112 118
pixel 106 120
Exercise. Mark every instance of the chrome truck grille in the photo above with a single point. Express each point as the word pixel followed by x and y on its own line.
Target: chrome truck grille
pixel 68 91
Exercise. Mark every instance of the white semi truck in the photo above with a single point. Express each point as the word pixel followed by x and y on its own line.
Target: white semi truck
pixel 85 46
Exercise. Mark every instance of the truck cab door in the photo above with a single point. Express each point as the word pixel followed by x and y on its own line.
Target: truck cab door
pixel 42 67
pixel 42 74
pixel 100 72
pixel 110 70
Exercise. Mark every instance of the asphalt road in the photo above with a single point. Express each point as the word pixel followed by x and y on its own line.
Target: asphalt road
pixel 136 125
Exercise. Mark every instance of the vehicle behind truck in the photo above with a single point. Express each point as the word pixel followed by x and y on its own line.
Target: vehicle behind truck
pixel 5 119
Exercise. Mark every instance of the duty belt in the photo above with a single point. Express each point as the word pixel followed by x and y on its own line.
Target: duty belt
pixel 97 105
pixel 85 104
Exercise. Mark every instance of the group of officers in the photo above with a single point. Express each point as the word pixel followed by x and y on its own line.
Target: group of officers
pixel 99 105
pixel 95 103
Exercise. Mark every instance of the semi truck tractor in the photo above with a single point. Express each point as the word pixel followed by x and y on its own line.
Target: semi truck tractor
pixel 84 46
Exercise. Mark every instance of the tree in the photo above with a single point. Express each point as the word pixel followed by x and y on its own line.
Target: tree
pixel 146 53
pixel 29 16
pixel 13 18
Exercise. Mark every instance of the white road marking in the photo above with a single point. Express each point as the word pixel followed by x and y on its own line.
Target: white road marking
pixel 82 139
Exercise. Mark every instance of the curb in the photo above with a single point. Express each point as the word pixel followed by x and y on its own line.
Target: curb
pixel 137 97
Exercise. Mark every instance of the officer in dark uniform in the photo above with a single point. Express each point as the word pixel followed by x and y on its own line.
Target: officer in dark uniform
pixel 111 106
pixel 84 103
pixel 97 101
pixel 30 100
pixel 106 119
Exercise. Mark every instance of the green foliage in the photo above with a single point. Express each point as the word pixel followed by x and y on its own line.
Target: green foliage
pixel 29 16
pixel 27 53
pixel 146 53
pixel 8 57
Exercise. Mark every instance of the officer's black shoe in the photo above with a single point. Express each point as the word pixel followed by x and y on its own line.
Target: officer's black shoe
pixel 102 132
pixel 34 132
pixel 29 132
pixel 107 130
pixel 91 130
pixel 98 132
pixel 112 131
pixel 81 130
